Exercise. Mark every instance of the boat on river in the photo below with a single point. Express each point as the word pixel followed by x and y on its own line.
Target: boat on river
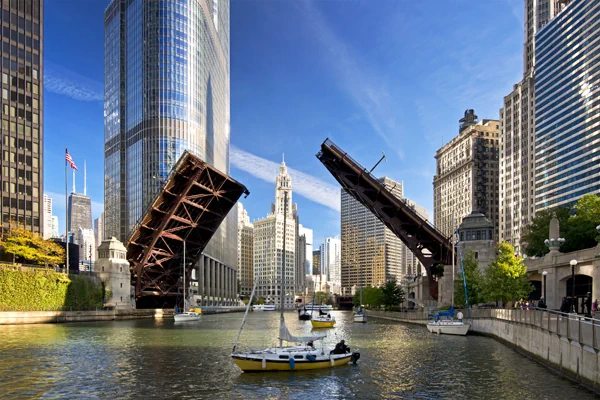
pixel 360 315
pixel 185 316
pixel 264 307
pixel 303 314
pixel 449 327
pixel 322 307
pixel 323 320
pixel 302 354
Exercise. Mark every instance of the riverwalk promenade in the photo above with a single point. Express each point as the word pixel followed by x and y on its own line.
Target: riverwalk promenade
pixel 567 343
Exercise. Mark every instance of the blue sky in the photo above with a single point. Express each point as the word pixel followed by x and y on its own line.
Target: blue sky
pixel 387 75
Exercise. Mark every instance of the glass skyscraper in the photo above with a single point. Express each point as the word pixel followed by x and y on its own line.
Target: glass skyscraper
pixel 166 76
pixel 567 106
pixel 21 109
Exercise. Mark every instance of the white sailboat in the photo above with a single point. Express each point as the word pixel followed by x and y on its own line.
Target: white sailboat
pixel 302 355
pixel 185 316
pixel 360 315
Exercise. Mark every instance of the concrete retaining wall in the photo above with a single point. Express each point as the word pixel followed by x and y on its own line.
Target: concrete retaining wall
pixel 45 317
pixel 569 346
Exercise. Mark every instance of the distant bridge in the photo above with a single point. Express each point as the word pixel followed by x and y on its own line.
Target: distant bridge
pixel 430 246
pixel 194 201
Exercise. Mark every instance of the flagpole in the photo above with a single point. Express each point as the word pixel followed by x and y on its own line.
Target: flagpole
pixel 66 214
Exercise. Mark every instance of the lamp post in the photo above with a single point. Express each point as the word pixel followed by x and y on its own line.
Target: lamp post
pixel 573 265
pixel 545 274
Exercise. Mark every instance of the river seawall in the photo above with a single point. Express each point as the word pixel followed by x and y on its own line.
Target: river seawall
pixel 568 345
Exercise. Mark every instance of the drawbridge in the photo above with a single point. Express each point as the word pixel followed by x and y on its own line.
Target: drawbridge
pixel 194 201
pixel 431 247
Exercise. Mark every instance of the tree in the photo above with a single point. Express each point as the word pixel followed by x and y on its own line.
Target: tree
pixel 474 280
pixel 392 294
pixel 23 243
pixel 537 231
pixel 506 276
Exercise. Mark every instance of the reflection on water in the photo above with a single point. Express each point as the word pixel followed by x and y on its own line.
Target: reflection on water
pixel 160 359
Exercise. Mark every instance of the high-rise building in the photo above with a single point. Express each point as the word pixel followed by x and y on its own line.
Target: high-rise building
pixel 308 255
pixel 87 248
pixel 566 107
pixel 47 216
pixel 466 176
pixel 55 233
pixel 245 263
pixel 166 90
pixel 316 263
pixel 80 212
pixel 99 231
pixel 268 246
pixel 517 133
pixel 371 253
pixel 22 113
pixel 412 265
pixel 331 259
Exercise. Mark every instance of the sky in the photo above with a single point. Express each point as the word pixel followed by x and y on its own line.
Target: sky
pixel 391 76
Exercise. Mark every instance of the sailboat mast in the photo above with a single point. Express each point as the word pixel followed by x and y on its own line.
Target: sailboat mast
pixel 282 292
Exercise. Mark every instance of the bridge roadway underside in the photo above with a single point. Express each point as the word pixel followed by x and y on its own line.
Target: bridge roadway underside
pixel 431 247
pixel 190 208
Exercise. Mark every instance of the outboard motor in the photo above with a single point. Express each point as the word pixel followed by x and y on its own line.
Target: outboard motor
pixel 355 357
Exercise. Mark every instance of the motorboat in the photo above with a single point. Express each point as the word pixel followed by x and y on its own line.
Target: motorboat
pixel 264 307
pixel 187 316
pixel 301 354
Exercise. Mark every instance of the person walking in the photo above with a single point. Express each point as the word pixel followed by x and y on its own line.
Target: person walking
pixel 542 303
pixel 564 305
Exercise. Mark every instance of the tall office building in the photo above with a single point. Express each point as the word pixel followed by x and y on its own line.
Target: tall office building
pixel 466 176
pixel 87 248
pixel 411 264
pixel 268 246
pixel 22 113
pixel 47 216
pixel 567 105
pixel 331 260
pixel 55 233
pixel 99 231
pixel 308 255
pixel 80 212
pixel 371 253
pixel 245 263
pixel 517 132
pixel 316 257
pixel 166 90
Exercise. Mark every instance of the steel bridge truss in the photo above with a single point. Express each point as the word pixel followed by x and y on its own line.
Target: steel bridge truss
pixel 194 201
pixel 430 246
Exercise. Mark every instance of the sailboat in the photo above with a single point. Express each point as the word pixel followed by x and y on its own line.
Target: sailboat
pixel 303 314
pixel 360 315
pixel 185 316
pixel 443 321
pixel 303 355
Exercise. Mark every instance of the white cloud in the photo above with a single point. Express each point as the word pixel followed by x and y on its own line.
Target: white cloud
pixel 305 185
pixel 62 81
pixel 58 203
pixel 365 87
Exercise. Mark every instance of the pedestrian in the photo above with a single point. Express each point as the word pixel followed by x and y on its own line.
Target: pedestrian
pixel 595 306
pixel 588 304
pixel 564 305
pixel 542 303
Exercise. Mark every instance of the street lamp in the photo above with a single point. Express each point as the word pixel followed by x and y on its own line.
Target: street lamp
pixel 545 274
pixel 573 265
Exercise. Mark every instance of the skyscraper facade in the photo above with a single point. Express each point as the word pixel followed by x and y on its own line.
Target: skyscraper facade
pixel 166 90
pixel 466 176
pixel 99 231
pixel 371 253
pixel 517 133
pixel 80 212
pixel 245 263
pixel 316 257
pixel 567 106
pixel 55 233
pixel 308 238
pixel 268 246
pixel 47 216
pixel 331 260
pixel 22 113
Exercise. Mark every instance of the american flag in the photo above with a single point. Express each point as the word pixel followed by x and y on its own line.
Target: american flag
pixel 70 160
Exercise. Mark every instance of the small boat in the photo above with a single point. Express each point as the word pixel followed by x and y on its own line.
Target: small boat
pixel 324 320
pixel 360 315
pixel 185 316
pixel 448 327
pixel 303 314
pixel 301 356
pixel 323 307
pixel 264 307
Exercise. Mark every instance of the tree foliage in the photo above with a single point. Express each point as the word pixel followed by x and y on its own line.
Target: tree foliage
pixel 506 276
pixel 474 279
pixel 577 227
pixel 31 246
pixel 392 294
pixel 372 296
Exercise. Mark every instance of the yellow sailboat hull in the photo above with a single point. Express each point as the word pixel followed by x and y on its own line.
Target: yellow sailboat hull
pixel 322 324
pixel 256 365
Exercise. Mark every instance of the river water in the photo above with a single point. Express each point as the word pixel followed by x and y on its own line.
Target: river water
pixel 161 359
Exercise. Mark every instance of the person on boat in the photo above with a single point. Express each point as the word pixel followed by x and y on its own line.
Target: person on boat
pixel 311 345
pixel 340 348
pixel 328 316
pixel 459 316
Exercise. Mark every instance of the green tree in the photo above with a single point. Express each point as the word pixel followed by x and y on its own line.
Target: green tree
pixel 537 231
pixel 474 279
pixel 506 276
pixel 392 294
pixel 30 246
